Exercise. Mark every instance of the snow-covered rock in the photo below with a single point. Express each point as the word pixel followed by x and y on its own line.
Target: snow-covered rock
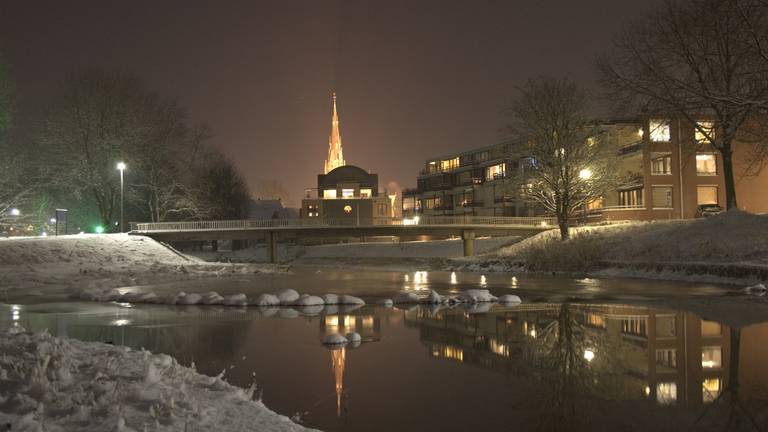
pixel 387 303
pixel 353 337
pixel 235 300
pixel 350 300
pixel 509 299
pixel 331 299
pixel 110 295
pixel 432 298
pixel 334 339
pixel 287 296
pixel 212 298
pixel 190 299
pixel 758 290
pixel 477 308
pixel 406 298
pixel 309 300
pixel 476 296
pixel 264 300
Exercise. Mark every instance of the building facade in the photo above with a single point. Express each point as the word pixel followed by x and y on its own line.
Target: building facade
pixel 667 171
pixel 344 192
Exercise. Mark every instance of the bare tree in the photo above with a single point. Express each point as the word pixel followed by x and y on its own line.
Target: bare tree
pixel 699 60
pixel 568 165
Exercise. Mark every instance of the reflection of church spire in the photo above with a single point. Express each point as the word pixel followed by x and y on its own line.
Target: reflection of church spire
pixel 338 357
pixel 335 153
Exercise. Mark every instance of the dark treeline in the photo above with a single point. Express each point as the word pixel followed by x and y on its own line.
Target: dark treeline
pixel 99 118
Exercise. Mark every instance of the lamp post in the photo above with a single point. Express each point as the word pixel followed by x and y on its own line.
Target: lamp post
pixel 121 168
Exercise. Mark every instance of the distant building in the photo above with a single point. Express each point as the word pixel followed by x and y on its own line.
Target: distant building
pixel 344 192
pixel 270 209
pixel 667 174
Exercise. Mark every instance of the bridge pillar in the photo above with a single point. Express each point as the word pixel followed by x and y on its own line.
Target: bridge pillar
pixel 272 247
pixel 468 236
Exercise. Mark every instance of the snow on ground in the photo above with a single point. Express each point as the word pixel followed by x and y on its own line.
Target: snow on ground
pixel 730 247
pixel 412 249
pixel 37 265
pixel 53 384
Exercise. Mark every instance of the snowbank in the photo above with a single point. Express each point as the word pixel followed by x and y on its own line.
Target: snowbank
pixel 728 246
pixel 53 384
pixel 55 265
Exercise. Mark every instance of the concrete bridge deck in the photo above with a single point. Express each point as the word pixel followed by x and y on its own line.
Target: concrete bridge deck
pixel 468 227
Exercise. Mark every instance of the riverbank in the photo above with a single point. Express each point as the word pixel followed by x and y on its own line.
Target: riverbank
pixel 51 383
pixel 37 266
pixel 728 248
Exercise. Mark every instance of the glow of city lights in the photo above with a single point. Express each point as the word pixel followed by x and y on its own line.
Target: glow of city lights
pixel 454 281
pixel 589 355
pixel 544 223
pixel 121 322
pixel 585 174
pixel 647 391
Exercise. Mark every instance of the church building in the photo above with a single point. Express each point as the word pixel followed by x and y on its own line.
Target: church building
pixel 344 192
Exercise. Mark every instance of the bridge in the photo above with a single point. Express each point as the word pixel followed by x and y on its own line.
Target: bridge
pixel 272 230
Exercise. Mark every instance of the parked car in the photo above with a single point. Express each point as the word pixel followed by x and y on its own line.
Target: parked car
pixel 707 210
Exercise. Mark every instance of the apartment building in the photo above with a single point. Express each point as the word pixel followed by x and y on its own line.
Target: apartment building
pixel 667 171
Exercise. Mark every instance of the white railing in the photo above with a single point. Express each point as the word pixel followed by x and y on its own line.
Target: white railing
pixel 263 224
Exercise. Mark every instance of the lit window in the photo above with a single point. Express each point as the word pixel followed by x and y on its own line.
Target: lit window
pixel 711 328
pixel 712 357
pixel 701 136
pixel 347 193
pixel 495 171
pixel 595 204
pixel 662 197
pixel 659 130
pixel 666 326
pixel 347 209
pixel 632 198
pixel 666 393
pixel 661 163
pixel 706 164
pixel 706 194
pixel 329 193
pixel 449 164
pixel 710 389
pixel 365 193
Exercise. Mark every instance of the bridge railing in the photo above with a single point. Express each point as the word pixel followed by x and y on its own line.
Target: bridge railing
pixel 257 224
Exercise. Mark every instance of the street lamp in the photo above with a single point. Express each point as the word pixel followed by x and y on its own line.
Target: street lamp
pixel 121 168
pixel 585 174
pixel 15 212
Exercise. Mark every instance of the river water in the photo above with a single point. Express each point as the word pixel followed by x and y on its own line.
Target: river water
pixel 572 357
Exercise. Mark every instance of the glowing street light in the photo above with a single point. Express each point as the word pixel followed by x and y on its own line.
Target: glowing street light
pixel 589 355
pixel 15 212
pixel 121 167
pixel 585 174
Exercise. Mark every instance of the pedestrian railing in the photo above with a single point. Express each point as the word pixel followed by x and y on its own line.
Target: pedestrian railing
pixel 264 224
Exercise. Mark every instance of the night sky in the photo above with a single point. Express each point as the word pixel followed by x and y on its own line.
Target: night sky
pixel 415 79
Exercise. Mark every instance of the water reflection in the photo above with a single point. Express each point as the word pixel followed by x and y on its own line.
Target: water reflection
pixel 545 366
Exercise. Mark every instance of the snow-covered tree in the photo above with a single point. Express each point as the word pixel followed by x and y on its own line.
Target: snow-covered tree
pixel 565 163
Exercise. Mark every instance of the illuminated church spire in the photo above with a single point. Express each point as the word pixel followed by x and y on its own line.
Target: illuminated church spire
pixel 335 154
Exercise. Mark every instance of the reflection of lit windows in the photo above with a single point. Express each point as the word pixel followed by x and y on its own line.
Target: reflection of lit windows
pixel 666 357
pixel 706 164
pixel 712 357
pixel 711 328
pixel 498 348
pixel 666 393
pixel 368 323
pixel 710 389
pixel 347 193
pixel 366 193
pixel 707 127
pixel 329 193
pixel 659 130
pixel 595 320
pixel 635 326
pixel 529 329
pixel 347 209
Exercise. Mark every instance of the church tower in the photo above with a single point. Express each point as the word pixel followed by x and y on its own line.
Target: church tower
pixel 335 154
